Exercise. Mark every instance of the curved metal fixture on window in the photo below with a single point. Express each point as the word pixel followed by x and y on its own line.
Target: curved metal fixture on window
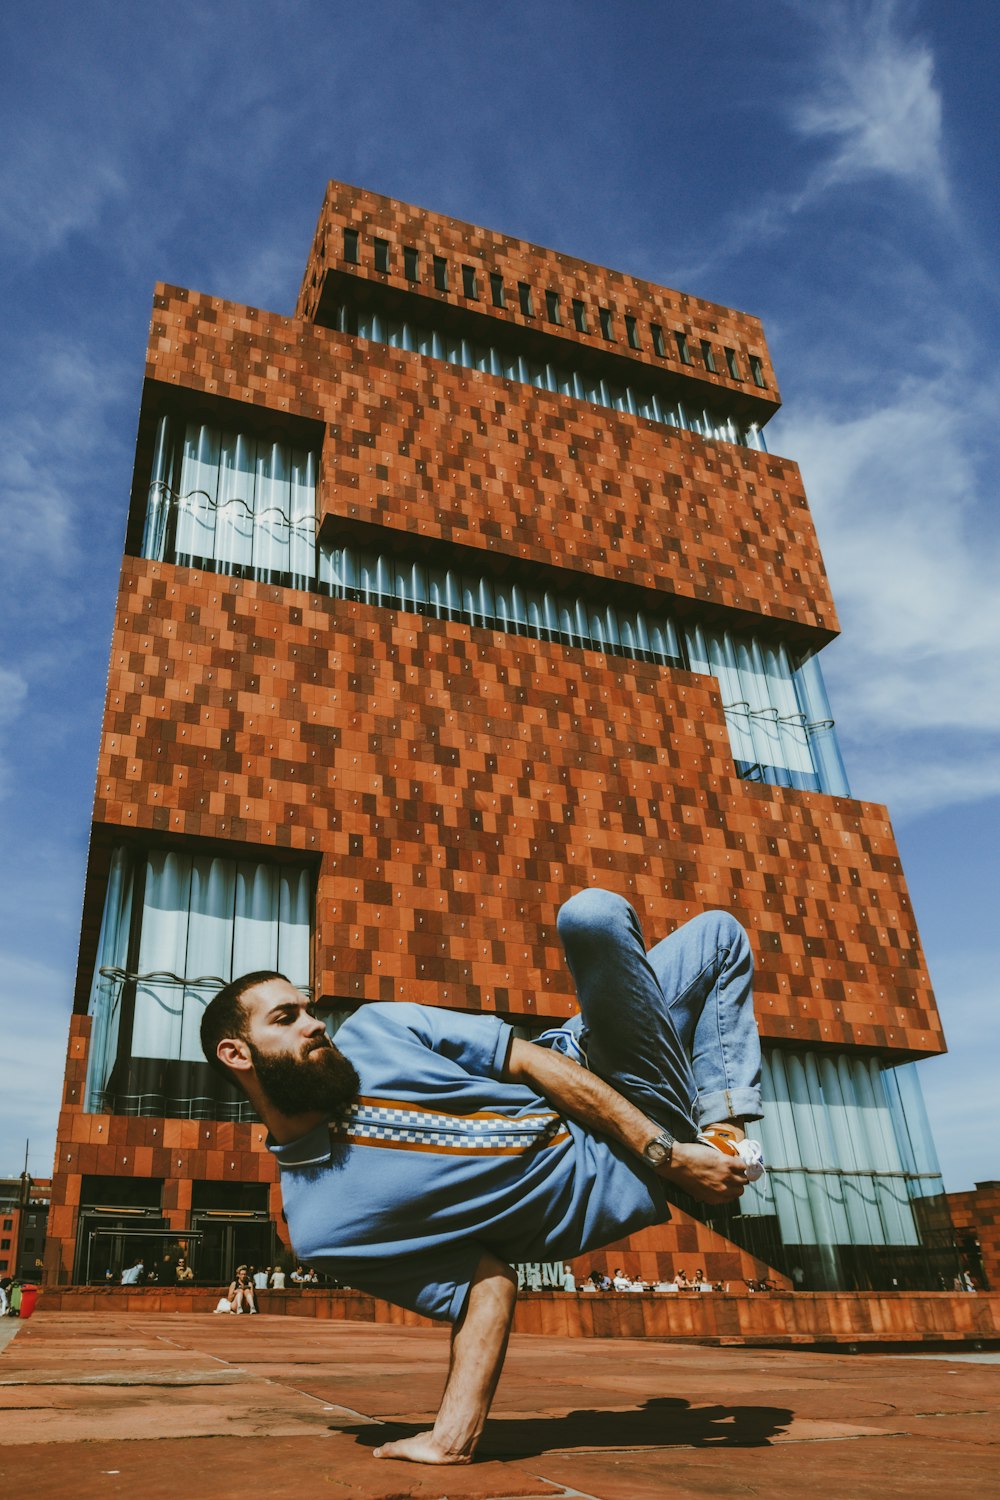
pixel 772 714
pixel 167 978
pixel 172 497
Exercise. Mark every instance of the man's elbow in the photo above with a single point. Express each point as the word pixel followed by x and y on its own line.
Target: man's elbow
pixel 517 1068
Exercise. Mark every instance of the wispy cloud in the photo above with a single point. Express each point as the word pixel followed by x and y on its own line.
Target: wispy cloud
pixel 870 102
pixel 875 101
pixel 901 511
pixel 960 1089
pixel 13 692
pixel 36 1020
pixel 53 427
pixel 53 183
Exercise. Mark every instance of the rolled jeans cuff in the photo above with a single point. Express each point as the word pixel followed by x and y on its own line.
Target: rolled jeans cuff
pixel 728 1104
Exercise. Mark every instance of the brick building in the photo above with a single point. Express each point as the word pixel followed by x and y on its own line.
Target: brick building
pixel 470 584
pixel 24 1210
pixel 976 1217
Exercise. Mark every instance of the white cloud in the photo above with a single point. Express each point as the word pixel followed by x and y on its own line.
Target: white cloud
pixel 44 458
pixel 913 556
pixel 872 101
pixel 876 101
pixel 13 695
pixel 960 1088
pixel 53 183
pixel 36 1009
pixel 13 691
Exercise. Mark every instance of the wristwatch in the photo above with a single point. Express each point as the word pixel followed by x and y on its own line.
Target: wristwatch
pixel 660 1150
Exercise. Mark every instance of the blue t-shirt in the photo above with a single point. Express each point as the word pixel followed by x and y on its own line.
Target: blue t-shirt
pixel 440 1159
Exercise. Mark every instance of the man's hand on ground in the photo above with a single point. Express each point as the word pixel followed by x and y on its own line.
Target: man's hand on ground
pixel 421 1449
pixel 707 1174
pixel 478 1345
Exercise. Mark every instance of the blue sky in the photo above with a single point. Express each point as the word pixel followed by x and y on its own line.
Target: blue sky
pixel 830 167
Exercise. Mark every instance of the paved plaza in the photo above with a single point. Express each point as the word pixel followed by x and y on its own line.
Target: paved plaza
pixel 94 1406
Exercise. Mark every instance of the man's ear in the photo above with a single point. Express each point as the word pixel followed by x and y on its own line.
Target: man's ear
pixel 234 1053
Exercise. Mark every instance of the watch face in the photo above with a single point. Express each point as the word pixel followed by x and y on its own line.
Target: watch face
pixel 655 1152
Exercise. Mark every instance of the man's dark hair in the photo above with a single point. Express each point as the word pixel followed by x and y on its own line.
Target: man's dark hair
pixel 225 1016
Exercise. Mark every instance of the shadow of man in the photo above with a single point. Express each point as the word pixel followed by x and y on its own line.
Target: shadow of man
pixel 661 1422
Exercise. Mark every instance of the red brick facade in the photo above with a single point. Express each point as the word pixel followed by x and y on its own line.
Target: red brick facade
pixel 453 785
pixel 434 450
pixel 400 224
pixel 459 784
pixel 976 1219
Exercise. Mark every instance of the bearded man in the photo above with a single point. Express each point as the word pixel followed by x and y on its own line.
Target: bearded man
pixel 429 1151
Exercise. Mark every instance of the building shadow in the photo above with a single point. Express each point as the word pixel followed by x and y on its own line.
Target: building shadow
pixel 661 1422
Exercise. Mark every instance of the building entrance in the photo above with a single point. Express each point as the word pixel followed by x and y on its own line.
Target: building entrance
pixel 227 1241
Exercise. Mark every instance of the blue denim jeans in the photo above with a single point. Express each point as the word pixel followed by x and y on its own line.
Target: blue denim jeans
pixel 672 1029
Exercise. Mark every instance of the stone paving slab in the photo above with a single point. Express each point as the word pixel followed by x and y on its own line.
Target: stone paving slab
pixel 117 1404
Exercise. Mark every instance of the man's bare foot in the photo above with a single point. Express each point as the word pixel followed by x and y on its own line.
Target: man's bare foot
pixel 706 1173
pixel 421 1449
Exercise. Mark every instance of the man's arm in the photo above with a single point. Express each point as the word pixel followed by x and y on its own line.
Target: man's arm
pixel 700 1170
pixel 478 1346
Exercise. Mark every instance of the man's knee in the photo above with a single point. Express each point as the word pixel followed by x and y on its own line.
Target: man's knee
pixel 726 933
pixel 593 913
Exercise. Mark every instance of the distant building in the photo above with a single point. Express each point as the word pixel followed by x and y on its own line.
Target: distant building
pixel 470 584
pixel 24 1210
pixel 976 1217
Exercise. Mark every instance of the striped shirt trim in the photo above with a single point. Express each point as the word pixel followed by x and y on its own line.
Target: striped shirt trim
pixel 410 1127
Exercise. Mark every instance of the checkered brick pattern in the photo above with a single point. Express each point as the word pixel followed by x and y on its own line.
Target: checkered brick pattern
pixel 458 784
pixel 401 224
pixel 429 450
pixel 453 786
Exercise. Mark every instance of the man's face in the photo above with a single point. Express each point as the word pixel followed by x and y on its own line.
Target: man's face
pixel 298 1067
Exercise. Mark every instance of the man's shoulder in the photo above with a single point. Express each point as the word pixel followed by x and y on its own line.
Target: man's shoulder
pixel 380 1015
pixel 385 1016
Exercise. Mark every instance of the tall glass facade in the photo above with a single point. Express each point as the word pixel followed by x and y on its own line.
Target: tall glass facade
pixel 853 1196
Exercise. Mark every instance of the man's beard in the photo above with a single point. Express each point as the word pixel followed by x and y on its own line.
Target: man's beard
pixel 300 1085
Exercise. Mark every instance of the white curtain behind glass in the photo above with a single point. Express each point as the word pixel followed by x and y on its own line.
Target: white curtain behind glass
pixel 828 1133
pixel 211 919
pixel 236 501
pixel 106 991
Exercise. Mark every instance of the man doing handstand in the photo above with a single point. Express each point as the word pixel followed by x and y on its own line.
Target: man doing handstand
pixel 429 1151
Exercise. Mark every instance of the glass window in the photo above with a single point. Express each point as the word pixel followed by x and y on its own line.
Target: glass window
pixel 524 297
pixel 605 316
pixel 351 246
pixel 381 255
pixel 630 332
pixel 440 273
pixel 496 289
pixel 868 1223
pixel 707 357
pixel 176 927
pixel 734 368
pixel 469 283
pixel 232 502
pixel 552 307
pixel 579 316
pixel 756 371
pixel 411 263
pixel 683 353
pixel 658 344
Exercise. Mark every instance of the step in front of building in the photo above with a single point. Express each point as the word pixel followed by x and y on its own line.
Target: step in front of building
pixel 778 1319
